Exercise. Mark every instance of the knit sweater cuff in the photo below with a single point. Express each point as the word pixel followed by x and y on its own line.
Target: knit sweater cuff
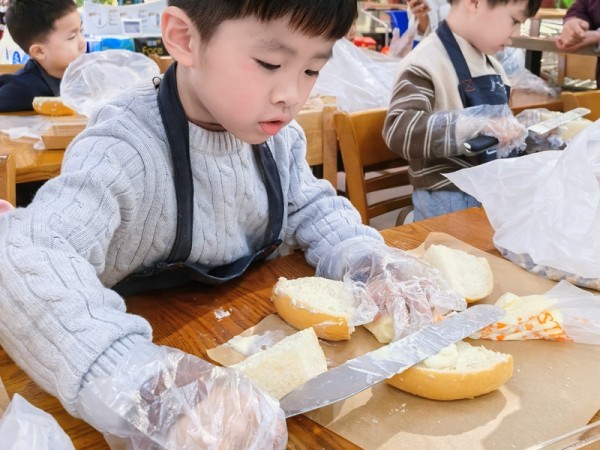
pixel 106 364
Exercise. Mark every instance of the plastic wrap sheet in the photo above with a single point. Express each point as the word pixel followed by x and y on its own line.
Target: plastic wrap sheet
pixel 545 208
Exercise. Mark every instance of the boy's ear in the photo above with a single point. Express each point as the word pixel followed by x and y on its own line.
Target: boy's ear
pixel 178 31
pixel 37 52
pixel 472 5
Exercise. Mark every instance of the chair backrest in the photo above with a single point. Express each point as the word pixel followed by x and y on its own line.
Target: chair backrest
pixel 587 99
pixel 10 68
pixel 321 141
pixel 8 181
pixel 163 62
pixel 364 150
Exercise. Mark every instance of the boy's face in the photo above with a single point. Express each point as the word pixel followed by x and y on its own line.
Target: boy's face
pixel 252 78
pixel 497 25
pixel 62 45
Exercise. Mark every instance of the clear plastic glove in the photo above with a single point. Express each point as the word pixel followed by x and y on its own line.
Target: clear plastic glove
pixel 492 120
pixel 389 281
pixel 163 398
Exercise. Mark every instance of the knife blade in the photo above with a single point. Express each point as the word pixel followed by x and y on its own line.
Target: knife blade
pixel 360 373
pixel 479 144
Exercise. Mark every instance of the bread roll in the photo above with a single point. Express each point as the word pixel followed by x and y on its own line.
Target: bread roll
pixel 51 106
pixel 459 371
pixel 286 365
pixel 315 302
pixel 469 275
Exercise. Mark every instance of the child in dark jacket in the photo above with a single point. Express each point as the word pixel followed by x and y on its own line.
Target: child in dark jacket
pixel 49 31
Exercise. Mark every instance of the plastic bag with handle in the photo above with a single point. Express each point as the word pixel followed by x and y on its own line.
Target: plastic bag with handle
pixel 545 208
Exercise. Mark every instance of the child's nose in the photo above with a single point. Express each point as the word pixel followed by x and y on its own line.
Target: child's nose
pixel 286 92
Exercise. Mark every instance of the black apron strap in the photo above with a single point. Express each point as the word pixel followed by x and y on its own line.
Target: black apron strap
pixel 175 270
pixel 459 62
pixel 177 129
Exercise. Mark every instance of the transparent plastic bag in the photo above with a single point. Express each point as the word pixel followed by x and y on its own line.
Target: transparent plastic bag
pixel 94 78
pixel 356 80
pixel 545 208
pixel 161 397
pixel 400 46
pixel 564 313
pixel 25 427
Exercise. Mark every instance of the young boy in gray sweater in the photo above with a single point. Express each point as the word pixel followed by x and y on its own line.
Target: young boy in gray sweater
pixel 205 171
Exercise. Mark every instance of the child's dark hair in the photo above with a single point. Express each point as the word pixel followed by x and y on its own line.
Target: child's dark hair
pixel 330 19
pixel 532 5
pixel 30 21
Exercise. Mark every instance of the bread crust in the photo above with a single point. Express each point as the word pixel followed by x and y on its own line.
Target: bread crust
pixel 326 326
pixel 452 384
pixel 51 106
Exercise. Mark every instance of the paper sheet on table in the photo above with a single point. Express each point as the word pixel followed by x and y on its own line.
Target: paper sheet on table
pixel 553 389
pixel 4 400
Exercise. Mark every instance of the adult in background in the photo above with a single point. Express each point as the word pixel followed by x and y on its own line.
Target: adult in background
pixel 580 29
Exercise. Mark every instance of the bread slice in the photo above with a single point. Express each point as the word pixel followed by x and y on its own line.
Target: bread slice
pixel 51 106
pixel 286 365
pixel 457 372
pixel 315 302
pixel 469 275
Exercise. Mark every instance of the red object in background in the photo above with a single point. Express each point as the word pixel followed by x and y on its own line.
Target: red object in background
pixel 365 41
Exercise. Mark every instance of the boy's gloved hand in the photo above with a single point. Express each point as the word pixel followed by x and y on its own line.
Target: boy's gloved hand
pixel 386 280
pixel 160 397
pixel 492 120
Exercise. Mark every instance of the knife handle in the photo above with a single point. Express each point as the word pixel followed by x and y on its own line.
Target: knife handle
pixel 479 144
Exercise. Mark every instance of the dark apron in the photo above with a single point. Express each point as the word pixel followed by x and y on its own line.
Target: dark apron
pixel 175 270
pixel 484 90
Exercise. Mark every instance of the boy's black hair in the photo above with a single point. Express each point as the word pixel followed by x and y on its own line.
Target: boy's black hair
pixel 532 5
pixel 30 21
pixel 330 19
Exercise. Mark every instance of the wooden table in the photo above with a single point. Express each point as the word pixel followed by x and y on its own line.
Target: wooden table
pixel 185 318
pixel 30 164
pixel 521 100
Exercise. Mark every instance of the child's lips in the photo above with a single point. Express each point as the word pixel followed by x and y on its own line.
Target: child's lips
pixel 272 127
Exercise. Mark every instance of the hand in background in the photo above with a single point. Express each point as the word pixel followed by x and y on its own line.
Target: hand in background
pixel 573 33
pixel 419 10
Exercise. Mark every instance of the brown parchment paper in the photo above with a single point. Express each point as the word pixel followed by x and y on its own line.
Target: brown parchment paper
pixel 554 388
pixel 4 401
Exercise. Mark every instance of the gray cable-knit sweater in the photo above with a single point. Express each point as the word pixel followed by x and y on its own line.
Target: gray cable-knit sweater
pixel 112 211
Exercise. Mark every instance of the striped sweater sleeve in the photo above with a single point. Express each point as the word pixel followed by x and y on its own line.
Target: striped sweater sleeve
pixel 411 128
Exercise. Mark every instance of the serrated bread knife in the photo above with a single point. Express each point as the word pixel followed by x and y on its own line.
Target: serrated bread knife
pixel 479 144
pixel 362 372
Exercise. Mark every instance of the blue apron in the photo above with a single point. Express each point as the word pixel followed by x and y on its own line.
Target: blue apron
pixel 175 270
pixel 483 90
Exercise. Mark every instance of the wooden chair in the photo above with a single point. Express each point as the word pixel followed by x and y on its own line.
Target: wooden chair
pixel 321 141
pixel 163 62
pixel 587 99
pixel 364 150
pixel 7 178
